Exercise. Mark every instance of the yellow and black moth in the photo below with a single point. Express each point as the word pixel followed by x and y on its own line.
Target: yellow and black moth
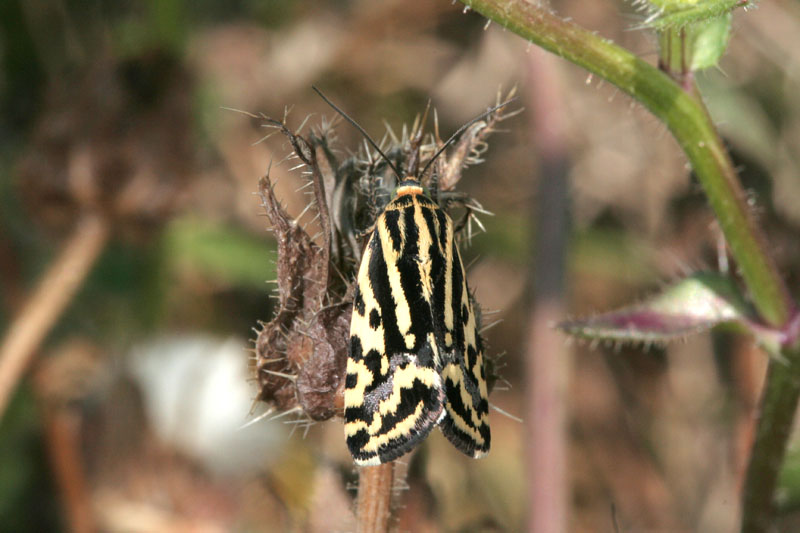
pixel 416 359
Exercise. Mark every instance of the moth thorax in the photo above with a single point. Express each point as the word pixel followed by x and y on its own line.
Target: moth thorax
pixel 409 185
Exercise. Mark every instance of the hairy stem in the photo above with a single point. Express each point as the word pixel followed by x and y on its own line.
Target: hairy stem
pixel 53 293
pixel 683 112
pixel 374 507
pixel 778 406
pixel 686 118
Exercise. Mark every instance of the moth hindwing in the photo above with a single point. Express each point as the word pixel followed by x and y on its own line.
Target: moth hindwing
pixel 415 357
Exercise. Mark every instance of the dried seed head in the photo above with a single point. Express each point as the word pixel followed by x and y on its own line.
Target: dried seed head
pixel 301 354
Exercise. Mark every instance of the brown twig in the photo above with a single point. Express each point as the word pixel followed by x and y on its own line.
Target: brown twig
pixel 53 293
pixel 62 427
pixel 374 507
pixel 62 381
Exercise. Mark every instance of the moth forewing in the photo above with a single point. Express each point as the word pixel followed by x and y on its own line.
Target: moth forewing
pixel 466 422
pixel 393 393
pixel 415 357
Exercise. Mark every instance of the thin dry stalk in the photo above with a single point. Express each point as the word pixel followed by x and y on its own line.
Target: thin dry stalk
pixel 547 360
pixel 374 507
pixel 62 428
pixel 53 293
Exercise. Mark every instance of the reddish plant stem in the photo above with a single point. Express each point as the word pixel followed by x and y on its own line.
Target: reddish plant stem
pixel 547 360
pixel 681 109
pixel 684 114
pixel 374 507
pixel 62 427
pixel 55 290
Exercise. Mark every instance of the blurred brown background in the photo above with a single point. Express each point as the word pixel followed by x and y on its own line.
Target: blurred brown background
pixel 130 418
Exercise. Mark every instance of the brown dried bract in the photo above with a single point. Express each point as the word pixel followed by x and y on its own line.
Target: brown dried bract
pixel 301 353
pixel 321 378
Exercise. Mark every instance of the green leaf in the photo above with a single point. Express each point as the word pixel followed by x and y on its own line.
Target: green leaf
pixel 710 42
pixel 692 35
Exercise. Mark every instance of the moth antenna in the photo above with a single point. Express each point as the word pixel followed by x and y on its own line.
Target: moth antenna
pixel 359 128
pixel 462 129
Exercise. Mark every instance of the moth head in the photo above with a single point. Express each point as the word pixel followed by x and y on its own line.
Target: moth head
pixel 410 185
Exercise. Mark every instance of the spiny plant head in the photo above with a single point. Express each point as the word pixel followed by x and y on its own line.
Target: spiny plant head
pixel 300 354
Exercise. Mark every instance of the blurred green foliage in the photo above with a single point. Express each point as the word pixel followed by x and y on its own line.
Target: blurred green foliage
pixel 27 498
pixel 225 254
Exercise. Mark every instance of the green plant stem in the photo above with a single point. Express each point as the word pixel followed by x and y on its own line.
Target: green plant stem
pixel 686 118
pixel 683 112
pixel 778 406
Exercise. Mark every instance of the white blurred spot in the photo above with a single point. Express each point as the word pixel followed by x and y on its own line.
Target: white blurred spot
pixel 198 396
